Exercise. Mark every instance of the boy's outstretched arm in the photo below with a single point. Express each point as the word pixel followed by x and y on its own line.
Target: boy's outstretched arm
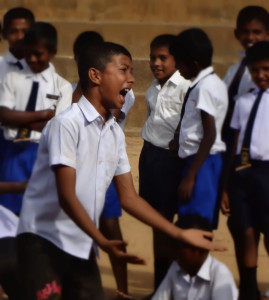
pixel 186 185
pixel 65 181
pixel 140 209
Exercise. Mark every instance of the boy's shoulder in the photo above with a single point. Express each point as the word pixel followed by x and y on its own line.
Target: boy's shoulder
pixel 210 81
pixel 218 268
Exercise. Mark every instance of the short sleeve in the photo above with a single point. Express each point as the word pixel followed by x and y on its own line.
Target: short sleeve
pixel 206 102
pixel 7 91
pixel 123 162
pixel 66 98
pixel 62 142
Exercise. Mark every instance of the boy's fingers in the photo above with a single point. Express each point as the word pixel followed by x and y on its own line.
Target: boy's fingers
pixel 133 259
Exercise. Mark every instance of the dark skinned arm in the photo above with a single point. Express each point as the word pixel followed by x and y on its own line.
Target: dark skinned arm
pixel 140 209
pixel 65 181
pixel 186 185
pixel 18 119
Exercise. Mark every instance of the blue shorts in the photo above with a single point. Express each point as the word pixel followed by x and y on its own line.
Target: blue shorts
pixel 17 165
pixel 112 208
pixel 204 195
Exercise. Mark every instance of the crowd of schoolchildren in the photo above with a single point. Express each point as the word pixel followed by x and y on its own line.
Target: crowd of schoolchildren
pixel 65 174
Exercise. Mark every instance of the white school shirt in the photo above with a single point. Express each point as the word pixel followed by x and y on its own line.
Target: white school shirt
pixel 209 95
pixel 7 62
pixel 8 223
pixel 76 138
pixel 259 146
pixel 16 87
pixel 246 84
pixel 163 110
pixel 214 281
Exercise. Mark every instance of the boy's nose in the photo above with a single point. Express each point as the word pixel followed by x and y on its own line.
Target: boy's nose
pixel 20 34
pixel 131 78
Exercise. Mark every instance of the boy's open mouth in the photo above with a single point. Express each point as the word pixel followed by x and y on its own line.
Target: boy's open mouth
pixel 123 92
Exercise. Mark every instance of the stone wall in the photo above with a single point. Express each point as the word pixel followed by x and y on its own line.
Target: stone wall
pixel 134 23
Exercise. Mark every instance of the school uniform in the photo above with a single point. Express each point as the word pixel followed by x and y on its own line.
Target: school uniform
pixel 112 207
pixel 239 82
pixel 209 94
pixel 245 82
pixel 158 169
pixel 53 92
pixel 213 281
pixel 9 63
pixel 249 189
pixel 77 138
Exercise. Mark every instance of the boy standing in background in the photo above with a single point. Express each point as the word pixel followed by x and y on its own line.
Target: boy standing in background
pixel 203 113
pixel 158 169
pixel 252 26
pixel 28 99
pixel 247 184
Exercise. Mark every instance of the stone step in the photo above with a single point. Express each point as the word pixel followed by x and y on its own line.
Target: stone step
pixel 136 37
pixel 66 67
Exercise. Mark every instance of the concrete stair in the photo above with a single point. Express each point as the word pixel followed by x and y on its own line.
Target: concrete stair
pixel 136 37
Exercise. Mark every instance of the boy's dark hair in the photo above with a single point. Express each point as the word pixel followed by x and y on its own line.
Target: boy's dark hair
pixel 85 40
pixel 163 40
pixel 42 32
pixel 17 13
pixel 193 221
pixel 193 45
pixel 259 51
pixel 250 13
pixel 97 56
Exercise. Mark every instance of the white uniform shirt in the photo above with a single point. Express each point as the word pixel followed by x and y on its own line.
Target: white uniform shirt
pixel 8 223
pixel 259 146
pixel 246 84
pixel 16 87
pixel 210 96
pixel 163 110
pixel 7 64
pixel 214 281
pixel 78 139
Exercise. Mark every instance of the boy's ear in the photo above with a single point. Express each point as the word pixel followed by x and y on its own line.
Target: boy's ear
pixel 94 75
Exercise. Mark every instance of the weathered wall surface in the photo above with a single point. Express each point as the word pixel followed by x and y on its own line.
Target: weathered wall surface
pixel 134 23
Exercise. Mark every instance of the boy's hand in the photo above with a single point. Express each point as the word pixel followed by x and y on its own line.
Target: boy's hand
pixel 117 249
pixel 225 205
pixel 185 189
pixel 48 114
pixel 200 239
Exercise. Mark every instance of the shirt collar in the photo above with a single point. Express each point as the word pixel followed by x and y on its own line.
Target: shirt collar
pixel 174 79
pixel 45 75
pixel 202 74
pixel 11 59
pixel 91 114
pixel 203 273
pixel 255 91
